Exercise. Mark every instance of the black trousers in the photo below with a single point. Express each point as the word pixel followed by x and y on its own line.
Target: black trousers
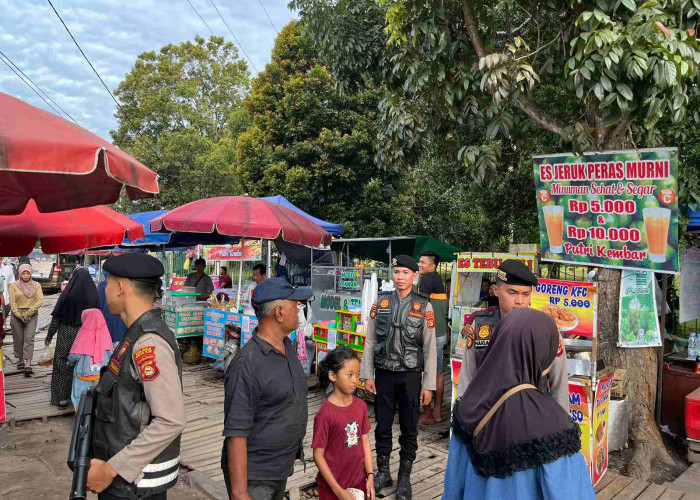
pixel 402 390
pixel 157 496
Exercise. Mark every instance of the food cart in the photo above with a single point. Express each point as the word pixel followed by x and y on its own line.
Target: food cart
pixel 573 306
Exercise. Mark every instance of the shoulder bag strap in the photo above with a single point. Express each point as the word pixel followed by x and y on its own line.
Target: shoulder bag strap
pixel 498 404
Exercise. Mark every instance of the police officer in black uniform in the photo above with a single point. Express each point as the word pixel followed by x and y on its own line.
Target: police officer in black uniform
pixel 399 366
pixel 140 410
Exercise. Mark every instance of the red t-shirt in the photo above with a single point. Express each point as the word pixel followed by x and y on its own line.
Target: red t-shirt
pixel 339 432
pixel 225 282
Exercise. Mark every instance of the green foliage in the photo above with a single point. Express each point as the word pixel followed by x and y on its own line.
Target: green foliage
pixel 181 115
pixel 314 145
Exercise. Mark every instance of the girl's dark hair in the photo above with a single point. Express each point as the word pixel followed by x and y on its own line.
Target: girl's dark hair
pixel 333 362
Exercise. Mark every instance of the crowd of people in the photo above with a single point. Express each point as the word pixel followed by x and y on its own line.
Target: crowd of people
pixel 511 433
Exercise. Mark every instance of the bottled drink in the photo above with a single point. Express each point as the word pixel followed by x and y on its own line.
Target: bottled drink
pixel 693 346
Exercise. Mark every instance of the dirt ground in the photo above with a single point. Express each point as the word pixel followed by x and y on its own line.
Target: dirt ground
pixel 618 461
pixel 33 462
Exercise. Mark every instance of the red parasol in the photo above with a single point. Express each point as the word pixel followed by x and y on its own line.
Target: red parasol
pixel 242 217
pixel 61 165
pixel 64 231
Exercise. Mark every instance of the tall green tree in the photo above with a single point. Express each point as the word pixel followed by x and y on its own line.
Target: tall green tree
pixel 181 115
pixel 315 146
pixel 490 79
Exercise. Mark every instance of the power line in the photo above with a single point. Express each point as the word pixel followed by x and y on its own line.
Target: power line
pixel 40 89
pixel 268 17
pixel 234 37
pixel 28 85
pixel 86 57
pixel 200 17
pixel 104 84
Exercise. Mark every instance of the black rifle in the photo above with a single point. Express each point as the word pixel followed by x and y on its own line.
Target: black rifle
pixel 80 452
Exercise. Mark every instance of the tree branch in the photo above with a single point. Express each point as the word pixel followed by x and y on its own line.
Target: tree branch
pixel 542 119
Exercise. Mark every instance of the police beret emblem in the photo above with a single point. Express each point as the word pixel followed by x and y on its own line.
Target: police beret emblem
pixel 394 262
pixel 502 275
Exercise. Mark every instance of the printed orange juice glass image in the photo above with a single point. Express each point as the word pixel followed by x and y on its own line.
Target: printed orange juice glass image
pixel 554 220
pixel 656 221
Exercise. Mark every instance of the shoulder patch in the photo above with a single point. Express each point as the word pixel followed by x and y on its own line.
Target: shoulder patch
pixel 145 359
pixel 430 316
pixel 560 350
pixel 470 338
pixel 373 311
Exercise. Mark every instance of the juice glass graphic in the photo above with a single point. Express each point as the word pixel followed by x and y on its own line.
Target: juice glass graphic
pixel 656 221
pixel 554 220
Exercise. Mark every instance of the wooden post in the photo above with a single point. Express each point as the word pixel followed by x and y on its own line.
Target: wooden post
pixel 660 350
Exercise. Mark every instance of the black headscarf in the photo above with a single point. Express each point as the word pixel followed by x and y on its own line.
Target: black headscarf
pixel 79 294
pixel 530 428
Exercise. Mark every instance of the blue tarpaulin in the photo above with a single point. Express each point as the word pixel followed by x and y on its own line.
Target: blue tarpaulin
pixel 694 223
pixel 334 229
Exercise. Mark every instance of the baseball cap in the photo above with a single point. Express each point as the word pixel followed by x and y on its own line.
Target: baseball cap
pixel 279 289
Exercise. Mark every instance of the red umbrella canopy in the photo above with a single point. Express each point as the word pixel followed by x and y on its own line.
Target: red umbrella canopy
pixel 61 232
pixel 61 165
pixel 242 217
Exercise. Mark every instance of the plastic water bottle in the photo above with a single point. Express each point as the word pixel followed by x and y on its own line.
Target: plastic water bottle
pixel 693 347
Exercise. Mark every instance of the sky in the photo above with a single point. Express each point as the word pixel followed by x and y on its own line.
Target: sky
pixel 112 33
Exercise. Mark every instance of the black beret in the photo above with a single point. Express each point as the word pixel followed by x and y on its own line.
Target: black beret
pixel 430 253
pixel 514 272
pixel 405 261
pixel 135 266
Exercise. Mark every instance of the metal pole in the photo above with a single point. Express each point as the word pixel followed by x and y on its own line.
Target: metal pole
pixel 269 256
pixel 240 276
pixel 660 350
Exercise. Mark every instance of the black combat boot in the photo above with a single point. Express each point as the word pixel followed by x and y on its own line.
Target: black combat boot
pixel 403 487
pixel 383 477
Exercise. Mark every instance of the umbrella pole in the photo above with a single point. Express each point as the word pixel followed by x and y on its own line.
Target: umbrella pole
pixel 269 257
pixel 240 275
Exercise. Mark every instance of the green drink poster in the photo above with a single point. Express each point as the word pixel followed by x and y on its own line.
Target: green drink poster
pixel 638 323
pixel 611 209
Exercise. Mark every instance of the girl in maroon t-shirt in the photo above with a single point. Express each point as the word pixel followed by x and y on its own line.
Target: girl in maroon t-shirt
pixel 341 446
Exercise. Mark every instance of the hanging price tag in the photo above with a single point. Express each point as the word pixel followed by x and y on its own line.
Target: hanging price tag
pixel 332 339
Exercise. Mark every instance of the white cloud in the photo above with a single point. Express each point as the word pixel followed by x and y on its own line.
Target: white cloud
pixel 113 33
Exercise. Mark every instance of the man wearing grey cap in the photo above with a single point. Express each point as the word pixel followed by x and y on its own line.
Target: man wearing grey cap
pixel 265 399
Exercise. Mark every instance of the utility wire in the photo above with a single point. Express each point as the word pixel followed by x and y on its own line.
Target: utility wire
pixel 40 89
pixel 105 85
pixel 83 53
pixel 234 36
pixel 268 17
pixel 28 85
pixel 200 17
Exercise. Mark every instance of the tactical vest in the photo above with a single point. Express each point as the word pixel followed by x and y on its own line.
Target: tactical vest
pixel 399 330
pixel 118 413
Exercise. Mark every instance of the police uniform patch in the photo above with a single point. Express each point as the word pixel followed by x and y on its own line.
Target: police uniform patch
pixel 145 358
pixel 416 310
pixel 430 316
pixel 123 348
pixel 484 331
pixel 384 304
pixel 114 366
pixel 470 339
pixel 560 350
pixel 373 311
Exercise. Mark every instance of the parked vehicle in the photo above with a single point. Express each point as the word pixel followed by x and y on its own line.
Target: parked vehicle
pixel 52 270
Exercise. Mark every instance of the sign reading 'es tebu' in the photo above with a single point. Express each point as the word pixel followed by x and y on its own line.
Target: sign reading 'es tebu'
pixel 612 209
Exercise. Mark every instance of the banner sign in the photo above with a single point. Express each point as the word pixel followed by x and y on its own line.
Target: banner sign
pixel 251 252
pixel 580 410
pixel 177 283
pixel 614 209
pixel 690 285
pixel 215 324
pixel 572 304
pixel 600 427
pixel 639 323
pixel 489 262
